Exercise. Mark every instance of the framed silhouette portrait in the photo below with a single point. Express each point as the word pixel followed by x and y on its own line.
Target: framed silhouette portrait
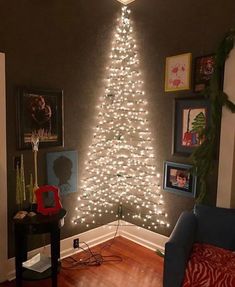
pixel 62 171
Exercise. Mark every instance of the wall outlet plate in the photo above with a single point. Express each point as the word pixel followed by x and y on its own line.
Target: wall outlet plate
pixel 76 243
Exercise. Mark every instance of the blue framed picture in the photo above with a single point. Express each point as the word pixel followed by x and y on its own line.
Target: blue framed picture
pixel 191 119
pixel 179 179
pixel 62 171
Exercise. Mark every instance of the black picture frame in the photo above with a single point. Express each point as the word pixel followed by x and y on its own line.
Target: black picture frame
pixel 39 111
pixel 204 67
pixel 191 115
pixel 179 179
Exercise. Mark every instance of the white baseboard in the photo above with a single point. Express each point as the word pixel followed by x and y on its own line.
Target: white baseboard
pixel 144 237
pixel 99 235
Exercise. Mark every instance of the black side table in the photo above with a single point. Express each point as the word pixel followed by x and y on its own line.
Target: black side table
pixel 37 224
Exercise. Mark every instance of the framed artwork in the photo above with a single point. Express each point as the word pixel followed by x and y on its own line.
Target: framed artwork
pixel 178 72
pixel 203 71
pixel 179 179
pixel 62 171
pixel 40 112
pixel 48 201
pixel 191 118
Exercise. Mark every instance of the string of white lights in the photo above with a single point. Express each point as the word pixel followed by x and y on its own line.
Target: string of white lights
pixel 120 177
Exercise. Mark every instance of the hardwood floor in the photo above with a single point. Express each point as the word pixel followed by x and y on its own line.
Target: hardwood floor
pixel 140 267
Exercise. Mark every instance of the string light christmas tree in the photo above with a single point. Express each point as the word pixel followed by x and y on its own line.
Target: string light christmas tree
pixel 120 176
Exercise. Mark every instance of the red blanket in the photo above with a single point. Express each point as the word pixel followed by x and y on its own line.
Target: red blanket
pixel 210 266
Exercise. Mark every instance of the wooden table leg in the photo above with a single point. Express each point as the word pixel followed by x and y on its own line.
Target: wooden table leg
pixel 20 255
pixel 55 255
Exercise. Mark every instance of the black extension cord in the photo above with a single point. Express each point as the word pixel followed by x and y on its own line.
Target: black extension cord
pixel 93 259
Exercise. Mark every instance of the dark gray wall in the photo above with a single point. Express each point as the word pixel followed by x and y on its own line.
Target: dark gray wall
pixel 65 45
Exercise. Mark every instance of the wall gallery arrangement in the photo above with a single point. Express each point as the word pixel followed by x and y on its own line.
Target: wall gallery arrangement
pixel 191 116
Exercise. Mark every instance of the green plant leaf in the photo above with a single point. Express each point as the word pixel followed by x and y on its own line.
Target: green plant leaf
pixel 204 155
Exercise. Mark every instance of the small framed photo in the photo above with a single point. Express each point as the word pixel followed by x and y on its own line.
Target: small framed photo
pixel 40 112
pixel 48 201
pixel 179 179
pixel 178 72
pixel 203 71
pixel 191 118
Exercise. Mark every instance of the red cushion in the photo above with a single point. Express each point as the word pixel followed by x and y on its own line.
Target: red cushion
pixel 210 266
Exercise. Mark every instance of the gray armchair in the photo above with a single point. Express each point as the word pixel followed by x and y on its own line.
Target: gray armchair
pixel 211 225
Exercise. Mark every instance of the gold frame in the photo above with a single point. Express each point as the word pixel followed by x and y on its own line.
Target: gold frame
pixel 186 63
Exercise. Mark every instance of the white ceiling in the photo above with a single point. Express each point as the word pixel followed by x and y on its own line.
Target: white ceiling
pixel 125 2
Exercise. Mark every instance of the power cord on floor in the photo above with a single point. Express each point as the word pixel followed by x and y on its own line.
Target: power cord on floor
pixel 110 243
pixel 92 258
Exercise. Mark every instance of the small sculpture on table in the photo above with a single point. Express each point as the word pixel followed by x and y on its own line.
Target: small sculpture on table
pixel 35 144
pixel 20 183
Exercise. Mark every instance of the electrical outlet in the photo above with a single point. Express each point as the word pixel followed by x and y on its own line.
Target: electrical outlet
pixel 76 243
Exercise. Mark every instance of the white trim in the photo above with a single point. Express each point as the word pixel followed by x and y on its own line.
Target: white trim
pixel 3 173
pixel 144 237
pixel 99 235
pixel 91 237
pixel 226 177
